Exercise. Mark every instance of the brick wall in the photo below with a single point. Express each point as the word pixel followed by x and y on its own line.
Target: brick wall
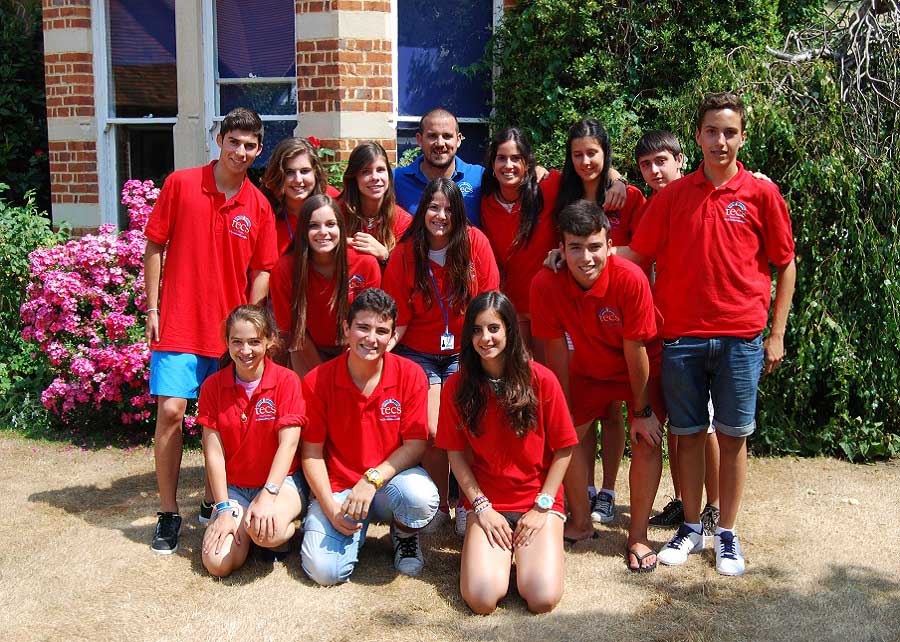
pixel 69 79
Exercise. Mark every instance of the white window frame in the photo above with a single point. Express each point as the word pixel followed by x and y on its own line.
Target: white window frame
pixel 107 154
pixel 213 82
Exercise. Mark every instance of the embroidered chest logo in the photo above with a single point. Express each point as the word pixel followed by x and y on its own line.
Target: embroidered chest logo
pixel 356 284
pixel 240 226
pixel 609 316
pixel 615 219
pixel 465 187
pixel 390 410
pixel 265 409
pixel 736 212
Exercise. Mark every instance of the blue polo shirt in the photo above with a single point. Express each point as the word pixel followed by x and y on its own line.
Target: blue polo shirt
pixel 410 182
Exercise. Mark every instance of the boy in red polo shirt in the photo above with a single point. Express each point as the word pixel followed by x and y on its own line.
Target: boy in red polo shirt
pixel 604 304
pixel 713 344
pixel 216 229
pixel 366 433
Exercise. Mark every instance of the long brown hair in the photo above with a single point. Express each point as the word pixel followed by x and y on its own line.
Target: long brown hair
pixel 459 251
pixel 361 157
pixel 515 394
pixel 301 253
pixel 272 181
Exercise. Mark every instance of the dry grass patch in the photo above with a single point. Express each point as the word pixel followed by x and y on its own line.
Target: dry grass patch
pixel 820 538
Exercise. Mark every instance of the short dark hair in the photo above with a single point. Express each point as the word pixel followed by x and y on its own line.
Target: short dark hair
pixel 374 300
pixel 656 141
pixel 582 218
pixel 722 100
pixel 243 119
pixel 437 112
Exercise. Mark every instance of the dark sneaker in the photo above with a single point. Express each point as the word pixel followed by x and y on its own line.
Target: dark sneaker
pixel 271 555
pixel 165 539
pixel 671 516
pixel 603 508
pixel 206 509
pixel 710 520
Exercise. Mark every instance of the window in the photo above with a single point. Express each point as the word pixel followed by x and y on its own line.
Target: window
pixel 142 94
pixel 434 40
pixel 255 66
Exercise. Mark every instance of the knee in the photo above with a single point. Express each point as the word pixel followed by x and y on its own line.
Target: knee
pixel 646 451
pixel 169 417
pixel 325 569
pixel 541 599
pixel 217 567
pixel 420 502
pixel 481 600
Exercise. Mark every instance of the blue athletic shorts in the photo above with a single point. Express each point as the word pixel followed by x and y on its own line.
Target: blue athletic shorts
pixel 179 374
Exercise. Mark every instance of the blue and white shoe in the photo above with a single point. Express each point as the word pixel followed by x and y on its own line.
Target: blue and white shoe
pixel 685 542
pixel 729 557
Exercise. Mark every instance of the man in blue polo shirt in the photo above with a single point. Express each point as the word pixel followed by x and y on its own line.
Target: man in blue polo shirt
pixel 439 138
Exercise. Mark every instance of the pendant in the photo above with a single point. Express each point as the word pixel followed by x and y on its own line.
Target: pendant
pixel 243 416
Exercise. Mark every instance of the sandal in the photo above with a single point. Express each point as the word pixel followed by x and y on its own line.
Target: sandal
pixel 572 541
pixel 640 559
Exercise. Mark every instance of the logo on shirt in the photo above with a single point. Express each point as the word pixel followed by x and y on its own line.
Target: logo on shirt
pixel 736 212
pixel 240 226
pixel 356 284
pixel 265 409
pixel 465 187
pixel 390 410
pixel 615 219
pixel 608 316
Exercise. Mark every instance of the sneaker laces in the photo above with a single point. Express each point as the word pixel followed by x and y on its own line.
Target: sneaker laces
pixel 684 532
pixel 166 525
pixel 726 546
pixel 603 502
pixel 408 546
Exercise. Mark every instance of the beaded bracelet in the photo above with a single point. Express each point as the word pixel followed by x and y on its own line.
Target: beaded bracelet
pixel 478 501
pixel 481 508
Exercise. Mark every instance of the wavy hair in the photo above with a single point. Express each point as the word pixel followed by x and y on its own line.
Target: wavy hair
pixel 571 188
pixel 515 395
pixel 272 181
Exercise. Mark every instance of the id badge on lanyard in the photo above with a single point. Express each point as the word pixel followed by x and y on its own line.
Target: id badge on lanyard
pixel 448 341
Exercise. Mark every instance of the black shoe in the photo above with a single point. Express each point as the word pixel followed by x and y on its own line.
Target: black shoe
pixel 671 516
pixel 270 555
pixel 710 520
pixel 165 539
pixel 206 509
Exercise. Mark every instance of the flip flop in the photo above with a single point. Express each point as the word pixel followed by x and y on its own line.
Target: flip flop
pixel 640 558
pixel 572 541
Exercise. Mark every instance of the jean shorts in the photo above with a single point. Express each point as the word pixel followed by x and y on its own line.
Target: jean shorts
pixel 179 374
pixel 725 369
pixel 438 367
pixel 244 496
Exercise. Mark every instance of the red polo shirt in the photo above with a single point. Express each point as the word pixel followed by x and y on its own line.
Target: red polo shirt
pixel 212 245
pixel 363 272
pixel 713 247
pixel 618 306
pixel 286 224
pixel 250 444
pixel 425 324
pixel 360 432
pixel 624 222
pixel 518 265
pixel 510 470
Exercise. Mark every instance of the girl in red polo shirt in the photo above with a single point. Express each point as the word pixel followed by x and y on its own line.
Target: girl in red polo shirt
pixel 440 264
pixel 293 174
pixel 251 412
pixel 517 217
pixel 375 223
pixel 510 415
pixel 312 286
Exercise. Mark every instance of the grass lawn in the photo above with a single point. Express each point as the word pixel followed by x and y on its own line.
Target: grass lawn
pixel 820 537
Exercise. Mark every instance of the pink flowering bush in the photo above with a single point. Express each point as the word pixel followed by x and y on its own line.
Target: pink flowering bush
pixel 85 309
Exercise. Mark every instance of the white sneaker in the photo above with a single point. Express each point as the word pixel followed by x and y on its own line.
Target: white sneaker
pixel 408 558
pixel 729 557
pixel 685 542
pixel 437 523
pixel 461 521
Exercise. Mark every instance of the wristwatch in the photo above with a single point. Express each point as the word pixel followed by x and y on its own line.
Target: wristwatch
pixel 272 488
pixel 544 501
pixel 373 476
pixel 643 413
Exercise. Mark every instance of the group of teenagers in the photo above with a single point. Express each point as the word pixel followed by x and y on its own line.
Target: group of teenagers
pixel 450 317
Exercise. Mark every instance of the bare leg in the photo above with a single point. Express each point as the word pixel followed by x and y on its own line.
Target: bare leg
pixel 646 469
pixel 540 567
pixel 672 441
pixel 612 443
pixel 435 460
pixel 579 525
pixel 287 507
pixel 691 470
pixel 231 557
pixel 712 469
pixel 484 571
pixel 732 474
pixel 589 445
pixel 167 449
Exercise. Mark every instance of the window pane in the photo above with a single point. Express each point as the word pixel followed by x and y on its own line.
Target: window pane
pixel 274 131
pixel 475 140
pixel 433 38
pixel 142 58
pixel 142 152
pixel 255 38
pixel 274 100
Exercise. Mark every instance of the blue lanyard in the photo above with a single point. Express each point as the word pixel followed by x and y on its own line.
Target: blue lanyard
pixel 287 223
pixel 440 301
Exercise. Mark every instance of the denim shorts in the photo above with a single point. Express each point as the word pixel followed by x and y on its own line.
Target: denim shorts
pixel 244 496
pixel 725 369
pixel 328 556
pixel 179 374
pixel 438 367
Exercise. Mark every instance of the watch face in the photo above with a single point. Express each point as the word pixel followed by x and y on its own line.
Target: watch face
pixel 545 502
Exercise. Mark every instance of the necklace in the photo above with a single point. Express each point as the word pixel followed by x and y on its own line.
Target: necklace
pixel 496 384
pixel 369 222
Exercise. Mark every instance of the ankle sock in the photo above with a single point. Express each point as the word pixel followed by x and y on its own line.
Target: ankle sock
pixel 697 528
pixel 592 490
pixel 720 530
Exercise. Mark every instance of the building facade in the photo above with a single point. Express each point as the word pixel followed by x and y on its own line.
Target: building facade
pixel 137 88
